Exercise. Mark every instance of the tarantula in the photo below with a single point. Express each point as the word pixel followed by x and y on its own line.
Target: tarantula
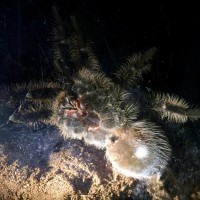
pixel 105 111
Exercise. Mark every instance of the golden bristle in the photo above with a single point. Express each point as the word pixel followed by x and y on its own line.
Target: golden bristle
pixel 43 85
pixel 95 78
pixel 130 72
pixel 60 98
pixel 92 61
pixel 119 94
pixel 38 90
pixel 34 85
pixel 171 107
pixel 82 55
pixel 58 101
pixel 34 114
pixel 127 74
pixel 74 51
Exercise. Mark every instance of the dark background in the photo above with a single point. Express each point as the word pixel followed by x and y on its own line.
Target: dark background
pixel 117 30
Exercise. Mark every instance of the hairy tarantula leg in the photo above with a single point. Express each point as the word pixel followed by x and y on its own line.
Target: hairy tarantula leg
pixel 43 91
pixel 193 114
pixel 79 54
pixel 80 51
pixel 29 113
pixel 59 41
pixel 14 94
pixel 61 46
pixel 31 117
pixel 173 108
pixel 129 73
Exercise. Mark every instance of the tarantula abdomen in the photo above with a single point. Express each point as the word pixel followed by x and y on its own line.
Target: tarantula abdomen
pixel 145 150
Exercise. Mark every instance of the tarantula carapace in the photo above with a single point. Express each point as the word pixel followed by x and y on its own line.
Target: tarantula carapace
pixel 104 111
